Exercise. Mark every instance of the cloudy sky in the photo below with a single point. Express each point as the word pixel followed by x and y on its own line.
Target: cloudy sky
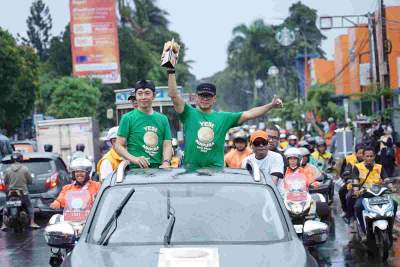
pixel 205 26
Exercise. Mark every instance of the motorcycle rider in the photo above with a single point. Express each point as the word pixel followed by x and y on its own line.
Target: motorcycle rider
pixel 322 156
pixel 283 143
pixel 80 170
pixel 367 173
pixel 293 140
pixel 110 161
pixel 18 177
pixel 234 158
pixel 309 168
pixel 345 172
pixel 294 157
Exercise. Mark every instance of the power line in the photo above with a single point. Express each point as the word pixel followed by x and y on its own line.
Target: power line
pixel 345 66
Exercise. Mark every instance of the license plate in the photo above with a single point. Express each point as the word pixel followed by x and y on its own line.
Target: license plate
pixel 378 201
pixel 16 203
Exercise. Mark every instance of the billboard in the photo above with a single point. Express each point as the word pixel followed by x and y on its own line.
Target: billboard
pixel 94 40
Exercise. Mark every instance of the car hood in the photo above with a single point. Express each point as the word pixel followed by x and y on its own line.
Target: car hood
pixel 290 253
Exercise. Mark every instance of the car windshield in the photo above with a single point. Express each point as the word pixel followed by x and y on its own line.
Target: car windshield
pixel 35 166
pixel 204 213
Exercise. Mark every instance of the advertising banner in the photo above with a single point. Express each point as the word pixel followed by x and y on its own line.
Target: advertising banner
pixel 94 40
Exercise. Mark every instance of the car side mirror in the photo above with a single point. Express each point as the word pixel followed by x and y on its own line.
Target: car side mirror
pixel 314 232
pixel 60 235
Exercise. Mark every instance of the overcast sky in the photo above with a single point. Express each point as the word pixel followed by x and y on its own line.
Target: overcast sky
pixel 205 26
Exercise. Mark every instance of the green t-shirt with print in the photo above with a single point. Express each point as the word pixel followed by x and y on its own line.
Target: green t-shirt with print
pixel 145 135
pixel 205 136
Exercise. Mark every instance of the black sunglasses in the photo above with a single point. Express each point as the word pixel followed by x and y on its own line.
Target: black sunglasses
pixel 263 143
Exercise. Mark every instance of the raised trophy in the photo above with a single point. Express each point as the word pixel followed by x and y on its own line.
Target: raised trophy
pixel 169 57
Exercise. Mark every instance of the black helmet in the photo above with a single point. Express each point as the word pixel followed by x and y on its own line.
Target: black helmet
pixel 16 156
pixel 311 140
pixel 80 147
pixel 48 148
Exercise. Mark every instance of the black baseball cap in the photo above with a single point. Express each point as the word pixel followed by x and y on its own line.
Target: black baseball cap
pixel 206 88
pixel 143 84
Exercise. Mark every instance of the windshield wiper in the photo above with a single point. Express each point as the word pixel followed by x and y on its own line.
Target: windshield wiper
pixel 171 221
pixel 104 234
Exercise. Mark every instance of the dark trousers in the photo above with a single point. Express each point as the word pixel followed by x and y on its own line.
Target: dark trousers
pixel 342 196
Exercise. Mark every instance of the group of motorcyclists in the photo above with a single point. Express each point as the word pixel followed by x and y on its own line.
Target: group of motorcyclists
pixel 144 139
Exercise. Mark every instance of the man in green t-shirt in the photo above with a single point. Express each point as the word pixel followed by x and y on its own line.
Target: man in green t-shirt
pixel 205 129
pixel 144 135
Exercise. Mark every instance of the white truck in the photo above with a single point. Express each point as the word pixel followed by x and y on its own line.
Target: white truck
pixel 65 134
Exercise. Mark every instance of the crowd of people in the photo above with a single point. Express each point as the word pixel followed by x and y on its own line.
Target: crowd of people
pixel 217 139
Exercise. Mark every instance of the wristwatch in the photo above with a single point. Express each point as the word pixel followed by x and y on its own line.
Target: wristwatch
pixel 171 71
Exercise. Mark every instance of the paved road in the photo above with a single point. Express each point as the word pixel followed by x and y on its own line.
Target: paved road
pixel 30 250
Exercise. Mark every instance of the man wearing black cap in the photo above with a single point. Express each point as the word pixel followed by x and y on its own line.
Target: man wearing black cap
pixel 205 129
pixel 144 135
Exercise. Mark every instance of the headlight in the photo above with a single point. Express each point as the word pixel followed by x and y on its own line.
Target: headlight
pixel 297 207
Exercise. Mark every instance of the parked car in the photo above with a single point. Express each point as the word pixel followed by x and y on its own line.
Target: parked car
pixel 25 146
pixel 49 175
pixel 156 217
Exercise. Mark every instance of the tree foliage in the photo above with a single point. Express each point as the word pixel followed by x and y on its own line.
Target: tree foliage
pixel 253 49
pixel 39 26
pixel 74 97
pixel 18 75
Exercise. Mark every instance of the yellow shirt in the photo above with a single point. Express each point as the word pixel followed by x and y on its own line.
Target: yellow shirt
pixel 113 157
pixel 374 176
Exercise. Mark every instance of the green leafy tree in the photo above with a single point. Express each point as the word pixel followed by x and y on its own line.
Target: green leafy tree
pixel 18 75
pixel 74 97
pixel 39 26
pixel 60 57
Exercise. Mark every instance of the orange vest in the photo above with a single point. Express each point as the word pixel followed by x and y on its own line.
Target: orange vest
pixel 92 186
pixel 234 158
pixel 113 157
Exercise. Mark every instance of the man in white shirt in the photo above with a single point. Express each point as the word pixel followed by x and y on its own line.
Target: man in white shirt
pixel 271 163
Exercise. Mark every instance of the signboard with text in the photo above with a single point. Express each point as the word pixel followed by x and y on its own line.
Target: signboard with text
pixel 94 40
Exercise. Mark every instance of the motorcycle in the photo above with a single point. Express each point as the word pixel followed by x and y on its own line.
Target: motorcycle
pixel 307 211
pixel 16 215
pixel 63 231
pixel 325 185
pixel 378 216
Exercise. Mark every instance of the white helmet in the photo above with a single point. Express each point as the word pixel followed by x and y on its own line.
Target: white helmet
pixel 282 136
pixel 81 164
pixel 292 137
pixel 292 152
pixel 304 151
pixel 112 133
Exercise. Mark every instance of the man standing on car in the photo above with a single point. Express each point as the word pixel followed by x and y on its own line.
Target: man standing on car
pixel 144 135
pixel 17 177
pixel 205 129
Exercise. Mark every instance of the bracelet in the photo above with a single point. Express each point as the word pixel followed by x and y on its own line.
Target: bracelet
pixel 166 160
pixel 171 71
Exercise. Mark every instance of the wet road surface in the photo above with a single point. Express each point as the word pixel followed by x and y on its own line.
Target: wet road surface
pixel 29 249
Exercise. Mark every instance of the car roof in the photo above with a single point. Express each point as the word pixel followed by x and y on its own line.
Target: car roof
pixel 180 175
pixel 35 155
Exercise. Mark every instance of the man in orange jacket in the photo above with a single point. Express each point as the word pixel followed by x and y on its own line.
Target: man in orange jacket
pixel 80 168
pixel 234 158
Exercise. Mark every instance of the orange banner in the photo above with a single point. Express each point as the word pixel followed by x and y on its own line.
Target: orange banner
pixel 94 40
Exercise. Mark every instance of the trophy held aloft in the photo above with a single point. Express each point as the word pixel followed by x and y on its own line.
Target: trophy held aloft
pixel 170 54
